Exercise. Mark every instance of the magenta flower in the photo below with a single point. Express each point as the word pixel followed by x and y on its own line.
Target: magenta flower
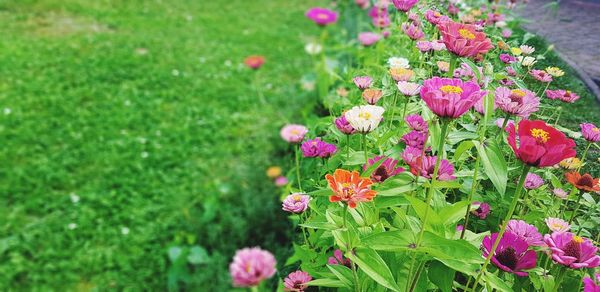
pixel 293 133
pixel 281 181
pixel 557 224
pixel 506 82
pixel 380 17
pixel 417 123
pixel 317 148
pixel 511 255
pixel 363 82
pixel 533 181
pixel 411 154
pixel 541 75
pixel 412 30
pixel 435 17
pixel 590 286
pixel 452 9
pixel 465 71
pixel 250 266
pixel 519 102
pixel 415 139
pixel 338 259
pixel 342 124
pixel 385 170
pixel 295 203
pixel 322 16
pixel 563 95
pixel 590 132
pixel 368 38
pixel 296 281
pixel 404 5
pixel 463 39
pixel 527 232
pixel 510 71
pixel 424 166
pixel 507 59
pixel 450 98
pixel 482 211
pixel 572 251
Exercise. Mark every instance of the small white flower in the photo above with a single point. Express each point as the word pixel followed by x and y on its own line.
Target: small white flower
pixel 228 63
pixel 145 154
pixel 313 48
pixel 398 62
pixel 124 230
pixel 501 23
pixel 175 72
pixel 7 111
pixel 527 50
pixel 72 226
pixel 409 88
pixel 365 118
pixel 74 198
pixel 127 103
pixel 527 61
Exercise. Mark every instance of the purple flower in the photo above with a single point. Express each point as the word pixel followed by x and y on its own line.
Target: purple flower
pixel 380 16
pixel 424 166
pixel 404 5
pixel 281 181
pixel 507 59
pixel 572 251
pixel 322 16
pixel 250 266
pixel 412 30
pixel 527 232
pixel 410 154
pixel 533 181
pixel 368 38
pixel 338 259
pixel 295 203
pixel 590 286
pixel 342 124
pixel 317 148
pixel 296 281
pixel 590 132
pixel 415 139
pixel 512 254
pixel 363 82
pixel 385 170
pixel 417 123
pixel 482 211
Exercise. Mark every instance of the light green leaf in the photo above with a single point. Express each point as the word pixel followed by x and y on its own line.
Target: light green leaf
pixel 370 262
pixel 326 283
pixel 493 163
pixel 441 276
pixel 343 273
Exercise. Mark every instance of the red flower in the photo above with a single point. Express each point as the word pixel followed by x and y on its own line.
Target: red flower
pixel 254 62
pixel 583 182
pixel 539 145
pixel 463 39
pixel 350 187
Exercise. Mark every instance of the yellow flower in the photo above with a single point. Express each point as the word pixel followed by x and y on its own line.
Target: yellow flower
pixel 273 171
pixel 516 51
pixel 555 71
pixel 570 163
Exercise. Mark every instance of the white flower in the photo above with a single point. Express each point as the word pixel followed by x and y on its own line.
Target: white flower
pixel 124 230
pixel 72 226
pixel 527 61
pixel 74 198
pixel 397 62
pixel 313 48
pixel 409 88
pixel 527 50
pixel 501 23
pixel 7 111
pixel 365 118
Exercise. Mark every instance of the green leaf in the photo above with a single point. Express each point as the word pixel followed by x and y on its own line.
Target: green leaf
pixel 320 193
pixel 496 282
pixel 370 262
pixel 198 255
pixel 463 147
pixel 455 137
pixel 451 214
pixel 441 276
pixel 343 273
pixel 493 163
pixel 442 248
pixel 420 208
pixel 474 68
pixel 319 225
pixel 326 283
pixel 398 240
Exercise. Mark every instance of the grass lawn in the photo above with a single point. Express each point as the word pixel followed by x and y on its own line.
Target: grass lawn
pixel 129 127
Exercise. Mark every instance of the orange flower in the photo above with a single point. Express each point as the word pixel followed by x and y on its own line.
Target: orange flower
pixel 349 187
pixel 583 182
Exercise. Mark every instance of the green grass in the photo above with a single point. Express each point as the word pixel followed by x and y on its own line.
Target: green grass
pixel 171 144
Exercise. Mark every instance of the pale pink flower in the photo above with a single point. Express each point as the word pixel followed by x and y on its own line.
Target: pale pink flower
pixel 296 281
pixel 368 38
pixel 557 224
pixel 250 266
pixel 519 102
pixel 293 133
pixel 412 30
pixel 541 75
pixel 590 132
pixel 409 88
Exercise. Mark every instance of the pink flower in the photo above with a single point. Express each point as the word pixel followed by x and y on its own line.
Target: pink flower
pixel 293 133
pixel 411 154
pixel 510 71
pixel 506 82
pixel 435 17
pixel 482 211
pixel 560 193
pixel 250 266
pixel 424 46
pixel 363 4
pixel 281 181
pixel 404 5
pixel 572 251
pixel 363 82
pixel 380 17
pixel 417 123
pixel 463 39
pixel 519 102
pixel 322 16
pixel 295 203
pixel 557 224
pixel 414 139
pixel 424 166
pixel 296 281
pixel 506 33
pixel 527 232
pixel 372 96
pixel 563 95
pixel 533 181
pixel 507 59
pixel 317 148
pixel 450 98
pixel 500 122
pixel 368 38
pixel 385 170
pixel 342 124
pixel 409 88
pixel 412 30
pixel 590 286
pixel 453 10
pixel 338 259
pixel 590 132
pixel 541 75
pixel 438 46
pixel 512 254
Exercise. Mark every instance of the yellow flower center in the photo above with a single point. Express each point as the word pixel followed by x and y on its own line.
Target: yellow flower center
pixel 465 33
pixel 518 92
pixel 365 115
pixel 540 135
pixel 437 14
pixel 451 89
pixel 556 226
pixel 578 239
pixel 322 16
pixel 294 132
pixel 596 130
pixel 248 267
pixel 297 198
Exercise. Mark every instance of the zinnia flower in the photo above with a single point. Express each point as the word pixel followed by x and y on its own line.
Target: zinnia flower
pixel 296 281
pixel 254 62
pixel 519 102
pixel 362 82
pixel 408 88
pixel 281 181
pixel 424 46
pixel 443 66
pixel 450 98
pixel 572 251
pixel 372 96
pixel 250 266
pixel 424 166
pixel 317 148
pixel 527 61
pixel 507 59
pixel 570 163
pixel 293 133
pixel 583 182
pixel 590 286
pixel 527 232
pixel 412 30
pixel 541 75
pixel 511 255
pixel 434 17
pixel 533 181
pixel 295 203
pixel 555 71
pixel 417 123
pixel 410 155
pixel 349 187
pixel 562 194
pixel 273 171
pixel 368 38
pixel 401 74
pixel 404 5
pixel 482 211
pixel 415 139
pixel 322 16
pixel 463 39
pixel 506 33
pixel 590 132
pixel 338 259
pixel 364 118
pixel 385 170
pixel 557 224
pixel 527 50
pixel 342 124
pixel 398 62
pixel 537 144
pixel 313 48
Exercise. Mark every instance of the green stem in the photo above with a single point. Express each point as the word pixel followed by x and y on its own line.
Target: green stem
pixel 504 224
pixel 452 66
pixel 349 249
pixel 561 275
pixel 558 118
pixel 364 138
pixel 395 100
pixel 584 156
pixel 298 167
pixel 303 217
pixel 347 148
pixel 576 208
pixel 503 127
pixel 470 197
